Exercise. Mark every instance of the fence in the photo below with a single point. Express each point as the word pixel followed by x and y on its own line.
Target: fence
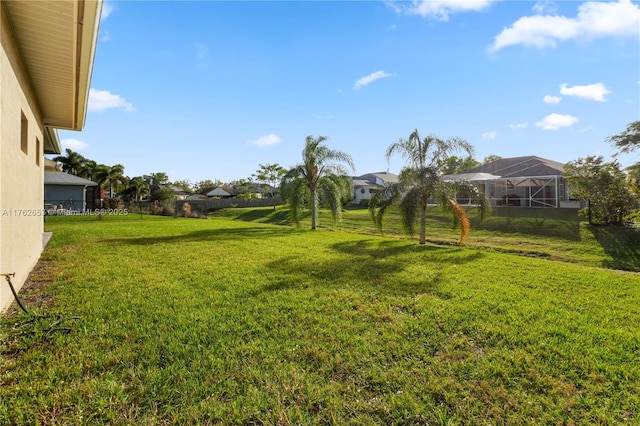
pixel 201 207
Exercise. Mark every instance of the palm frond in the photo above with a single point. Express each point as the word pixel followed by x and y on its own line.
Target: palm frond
pixel 381 200
pixel 294 192
pixel 410 209
pixel 461 219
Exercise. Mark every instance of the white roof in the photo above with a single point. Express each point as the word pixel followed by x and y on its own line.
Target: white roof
pixel 472 177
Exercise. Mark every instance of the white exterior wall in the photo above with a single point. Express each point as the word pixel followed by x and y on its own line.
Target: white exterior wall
pixel 21 178
pixel 358 195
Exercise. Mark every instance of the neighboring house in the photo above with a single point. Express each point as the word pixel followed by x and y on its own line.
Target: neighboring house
pixel 222 192
pixel 521 181
pixel 196 197
pixel 180 194
pixel 365 185
pixel 46 59
pixel 69 192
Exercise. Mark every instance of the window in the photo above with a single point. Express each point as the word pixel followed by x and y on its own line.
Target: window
pixel 38 154
pixel 24 134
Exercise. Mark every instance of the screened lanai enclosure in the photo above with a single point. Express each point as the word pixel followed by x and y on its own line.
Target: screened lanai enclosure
pixel 522 182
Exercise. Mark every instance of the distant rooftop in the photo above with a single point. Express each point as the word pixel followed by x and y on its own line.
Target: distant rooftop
pixel 527 166
pixel 62 178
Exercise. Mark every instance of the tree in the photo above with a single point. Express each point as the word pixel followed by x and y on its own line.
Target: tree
pixel 100 175
pixel 633 178
pixel 184 185
pixel 245 189
pixel 629 140
pixel 87 169
pixel 201 185
pixel 163 196
pixel 270 175
pixel 115 177
pixel 603 186
pixel 138 188
pixel 491 158
pixel 454 164
pixel 72 162
pixel 420 181
pixel 320 175
pixel 157 179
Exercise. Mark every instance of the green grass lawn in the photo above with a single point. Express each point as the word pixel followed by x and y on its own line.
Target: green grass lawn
pixel 240 320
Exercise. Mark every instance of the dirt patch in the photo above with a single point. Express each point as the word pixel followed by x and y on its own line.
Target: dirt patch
pixel 34 292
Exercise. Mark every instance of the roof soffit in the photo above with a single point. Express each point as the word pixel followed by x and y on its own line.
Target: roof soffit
pixel 57 42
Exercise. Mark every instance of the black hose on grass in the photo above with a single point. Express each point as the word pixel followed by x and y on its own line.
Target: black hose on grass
pixel 55 326
pixel 13 290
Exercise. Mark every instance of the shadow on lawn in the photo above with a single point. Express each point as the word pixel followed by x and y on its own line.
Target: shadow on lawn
pixel 381 265
pixel 622 244
pixel 277 217
pixel 555 223
pixel 226 234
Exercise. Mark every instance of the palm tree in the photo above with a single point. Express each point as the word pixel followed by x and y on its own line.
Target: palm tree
pixel 138 188
pixel 321 173
pixel 101 175
pixel 420 181
pixel 113 177
pixel 72 162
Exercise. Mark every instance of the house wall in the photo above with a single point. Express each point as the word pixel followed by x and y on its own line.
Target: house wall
pixel 72 197
pixel 21 174
pixel 359 195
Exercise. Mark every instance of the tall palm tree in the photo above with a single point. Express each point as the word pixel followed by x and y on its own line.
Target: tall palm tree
pixel 420 181
pixel 101 175
pixel 138 188
pixel 113 177
pixel 72 162
pixel 321 173
pixel 88 169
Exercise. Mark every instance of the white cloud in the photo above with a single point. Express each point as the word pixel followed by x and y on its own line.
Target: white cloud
pixel 105 36
pixel 107 8
pixel 99 100
pixel 268 140
pixel 489 135
pixel 368 79
pixel 545 6
pixel 556 121
pixel 594 92
pixel 73 144
pixel 518 125
pixel 594 20
pixel 548 99
pixel 439 9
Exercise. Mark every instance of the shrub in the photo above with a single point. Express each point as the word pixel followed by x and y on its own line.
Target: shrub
pixel 111 203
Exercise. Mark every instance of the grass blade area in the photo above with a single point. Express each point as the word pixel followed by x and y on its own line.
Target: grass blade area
pixel 235 321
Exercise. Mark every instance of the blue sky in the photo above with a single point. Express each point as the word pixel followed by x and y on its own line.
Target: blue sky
pixel 210 89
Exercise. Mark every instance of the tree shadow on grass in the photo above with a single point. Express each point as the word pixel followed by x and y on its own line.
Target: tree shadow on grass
pixel 277 217
pixel 378 265
pixel 622 244
pixel 226 234
pixel 554 223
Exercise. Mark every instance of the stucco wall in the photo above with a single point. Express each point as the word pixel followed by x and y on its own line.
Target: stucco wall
pixel 21 178
pixel 359 195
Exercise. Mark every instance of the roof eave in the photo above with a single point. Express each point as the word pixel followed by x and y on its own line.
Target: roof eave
pixel 51 141
pixel 88 26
